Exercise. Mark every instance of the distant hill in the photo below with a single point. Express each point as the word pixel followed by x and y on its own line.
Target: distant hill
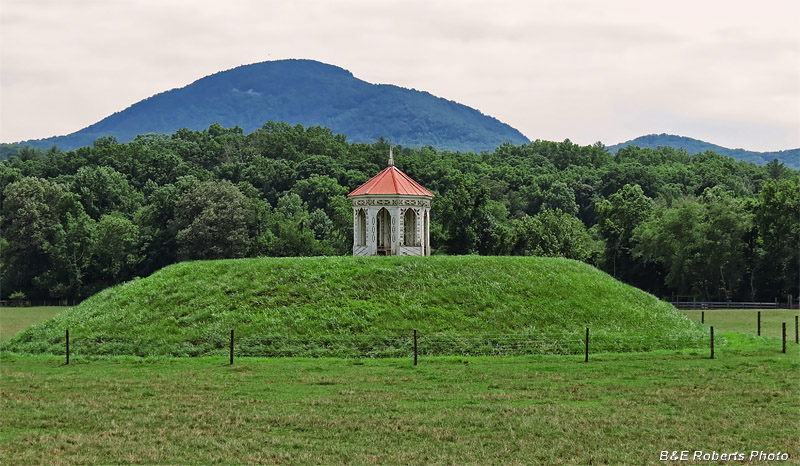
pixel 790 158
pixel 305 92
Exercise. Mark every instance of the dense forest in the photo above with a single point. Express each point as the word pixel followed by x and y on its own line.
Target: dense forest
pixel 693 226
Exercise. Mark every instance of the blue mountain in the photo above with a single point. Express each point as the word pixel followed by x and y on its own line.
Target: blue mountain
pixel 302 92
pixel 790 158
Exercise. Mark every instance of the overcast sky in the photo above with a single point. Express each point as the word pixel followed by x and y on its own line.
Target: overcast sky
pixel 726 72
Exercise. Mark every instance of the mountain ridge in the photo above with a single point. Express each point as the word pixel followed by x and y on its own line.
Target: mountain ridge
pixel 789 157
pixel 304 92
pixel 313 93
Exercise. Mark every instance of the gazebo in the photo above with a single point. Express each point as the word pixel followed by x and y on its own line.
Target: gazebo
pixel 391 215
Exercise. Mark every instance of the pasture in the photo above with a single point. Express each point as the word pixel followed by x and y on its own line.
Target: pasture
pixel 617 409
pixel 746 320
pixel 16 319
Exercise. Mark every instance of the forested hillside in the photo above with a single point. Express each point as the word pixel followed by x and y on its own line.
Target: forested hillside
pixel 303 92
pixel 702 225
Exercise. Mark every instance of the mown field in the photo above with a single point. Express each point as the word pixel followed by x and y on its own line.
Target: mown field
pixel 619 408
pixel 746 320
pixel 16 319
pixel 616 409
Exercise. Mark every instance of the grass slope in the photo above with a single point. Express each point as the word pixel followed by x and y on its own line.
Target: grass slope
pixel 350 306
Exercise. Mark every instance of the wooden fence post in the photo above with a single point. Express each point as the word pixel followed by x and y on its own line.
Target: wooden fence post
pixel 712 342
pixel 759 323
pixel 702 317
pixel 586 358
pixel 796 333
pixel 68 347
pixel 231 347
pixel 415 347
pixel 784 337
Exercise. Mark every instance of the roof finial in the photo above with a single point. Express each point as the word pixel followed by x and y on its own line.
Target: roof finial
pixel 391 155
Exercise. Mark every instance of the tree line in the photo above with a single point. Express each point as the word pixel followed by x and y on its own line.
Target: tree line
pixel 692 226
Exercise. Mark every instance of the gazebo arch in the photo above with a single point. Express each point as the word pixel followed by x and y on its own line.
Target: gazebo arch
pixel 410 227
pixel 360 228
pixel 385 224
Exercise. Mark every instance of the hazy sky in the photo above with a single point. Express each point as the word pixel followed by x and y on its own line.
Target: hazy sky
pixel 726 72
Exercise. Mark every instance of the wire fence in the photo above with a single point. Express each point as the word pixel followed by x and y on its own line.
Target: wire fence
pixel 382 346
pixel 501 344
pixel 711 305
pixel 38 302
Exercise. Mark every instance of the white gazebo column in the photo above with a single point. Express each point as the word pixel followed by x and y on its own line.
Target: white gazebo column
pixel 418 229
pixel 421 230
pixel 356 228
pixel 396 231
pixel 427 221
pixel 401 227
pixel 372 231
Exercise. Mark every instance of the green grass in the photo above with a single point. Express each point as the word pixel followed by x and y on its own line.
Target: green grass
pixel 617 409
pixel 348 305
pixel 16 319
pixel 746 321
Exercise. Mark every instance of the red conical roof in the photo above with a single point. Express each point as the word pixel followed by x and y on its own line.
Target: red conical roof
pixel 391 181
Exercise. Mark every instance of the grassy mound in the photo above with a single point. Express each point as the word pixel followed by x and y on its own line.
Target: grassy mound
pixel 350 306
